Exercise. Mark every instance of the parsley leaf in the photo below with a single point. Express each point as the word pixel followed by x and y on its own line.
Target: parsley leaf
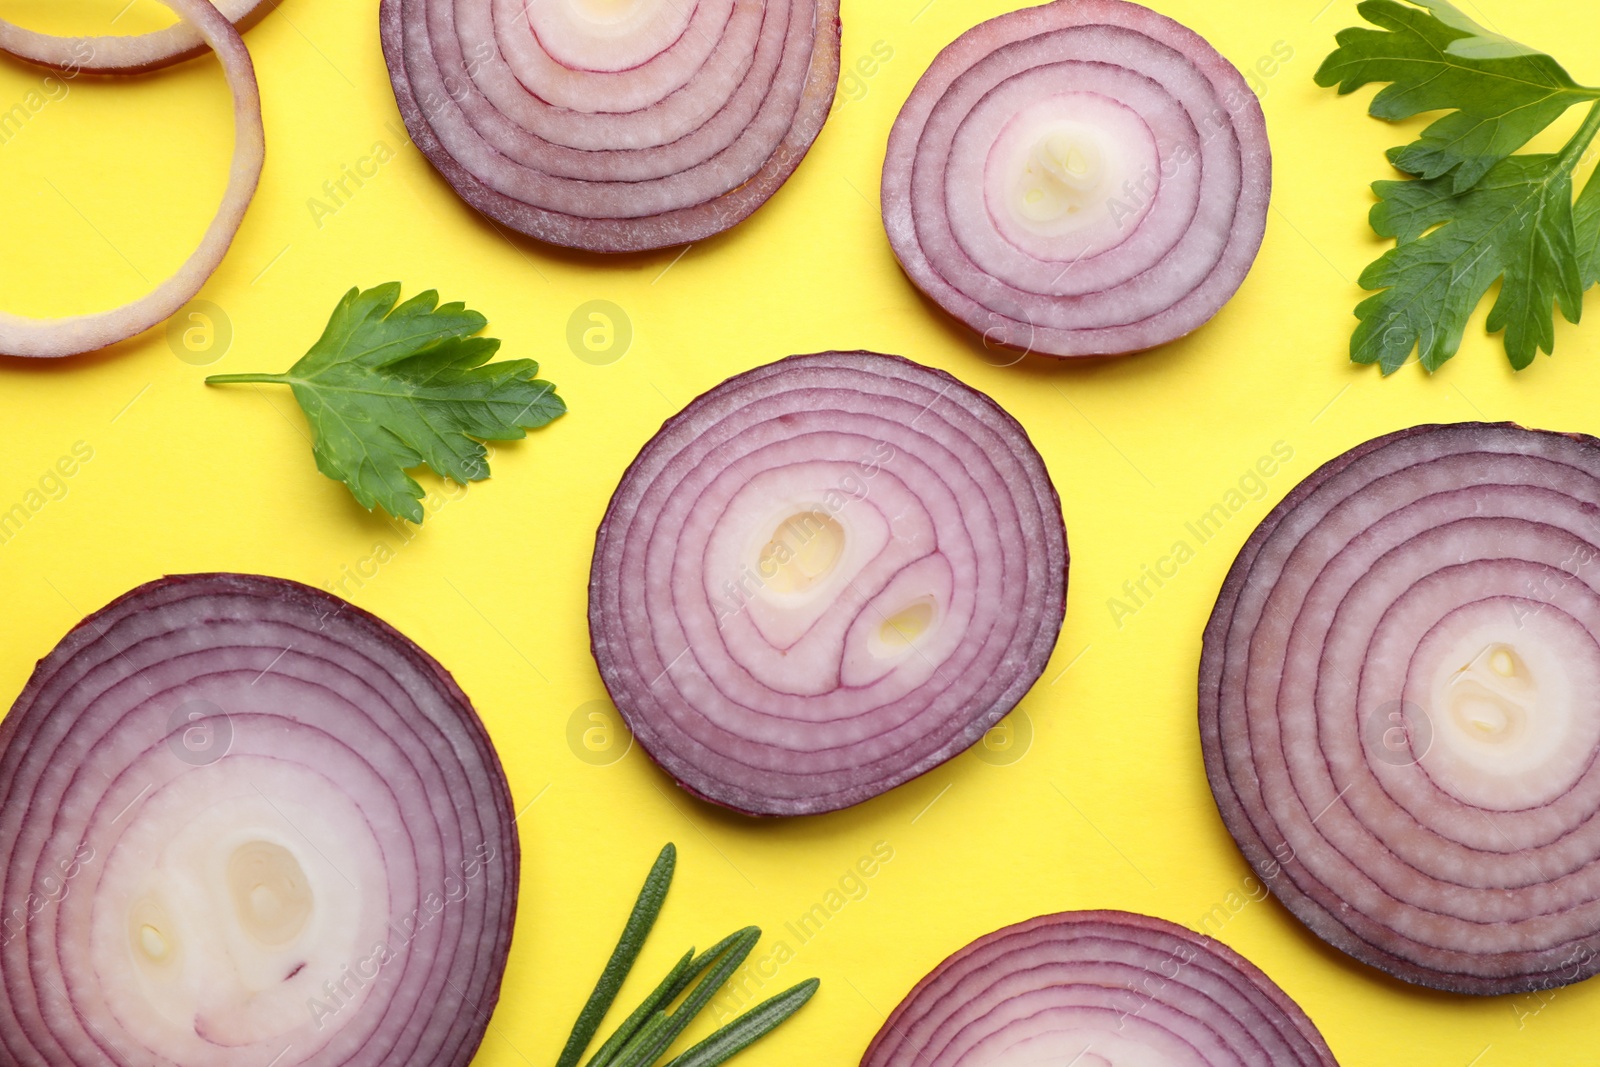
pixel 1500 94
pixel 388 389
pixel 1476 213
pixel 1586 220
pixel 1451 247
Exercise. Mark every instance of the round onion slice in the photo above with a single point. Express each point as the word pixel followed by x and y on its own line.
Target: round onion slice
pixel 1084 178
pixel 243 822
pixel 1097 987
pixel 825 577
pixel 125 55
pixel 1400 705
pixel 614 127
pixel 22 336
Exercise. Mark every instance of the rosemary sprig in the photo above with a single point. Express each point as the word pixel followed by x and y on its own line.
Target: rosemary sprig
pixel 647 1033
pixel 747 1028
pixel 623 957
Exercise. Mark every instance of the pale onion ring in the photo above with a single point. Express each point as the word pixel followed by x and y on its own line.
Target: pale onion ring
pixel 125 54
pixel 76 334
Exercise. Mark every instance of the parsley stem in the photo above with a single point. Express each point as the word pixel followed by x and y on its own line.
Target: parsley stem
pixel 241 379
pixel 1575 148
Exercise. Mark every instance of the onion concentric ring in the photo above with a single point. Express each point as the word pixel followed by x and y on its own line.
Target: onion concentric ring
pixel 74 335
pixel 1400 705
pixel 136 54
pixel 243 822
pixel 1097 987
pixel 609 127
pixel 1079 179
pixel 825 577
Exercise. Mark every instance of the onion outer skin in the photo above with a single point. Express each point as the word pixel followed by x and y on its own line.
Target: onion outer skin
pixel 458 778
pixel 796 385
pixel 646 233
pixel 138 54
pixel 950 284
pixel 77 334
pixel 1273 840
pixel 1047 943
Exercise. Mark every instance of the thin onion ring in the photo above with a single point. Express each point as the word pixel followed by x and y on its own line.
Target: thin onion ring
pixel 125 54
pixel 73 335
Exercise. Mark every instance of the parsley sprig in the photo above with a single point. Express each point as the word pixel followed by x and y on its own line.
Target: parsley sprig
pixel 1476 212
pixel 644 1037
pixel 388 389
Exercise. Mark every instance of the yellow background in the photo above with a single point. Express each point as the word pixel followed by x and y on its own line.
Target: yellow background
pixel 105 190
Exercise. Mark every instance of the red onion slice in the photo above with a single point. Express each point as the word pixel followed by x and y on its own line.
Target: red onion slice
pixel 1398 705
pixel 614 128
pixel 74 335
pixel 1084 178
pixel 244 822
pixel 825 577
pixel 136 54
pixel 1097 987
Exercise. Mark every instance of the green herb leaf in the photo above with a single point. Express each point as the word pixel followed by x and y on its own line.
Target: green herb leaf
pixel 1477 213
pixel 640 922
pixel 651 1029
pixel 654 1042
pixel 688 969
pixel 1586 221
pixel 676 981
pixel 1480 43
pixel 1499 93
pixel 1451 247
pixel 388 389
pixel 748 1028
